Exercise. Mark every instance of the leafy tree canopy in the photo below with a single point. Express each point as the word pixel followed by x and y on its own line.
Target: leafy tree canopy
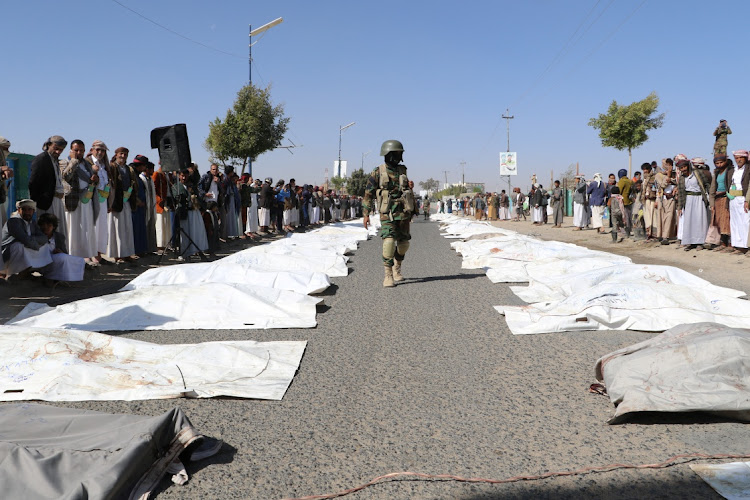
pixel 251 127
pixel 357 182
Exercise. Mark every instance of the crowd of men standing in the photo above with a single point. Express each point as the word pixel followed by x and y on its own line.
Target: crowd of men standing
pixel 98 209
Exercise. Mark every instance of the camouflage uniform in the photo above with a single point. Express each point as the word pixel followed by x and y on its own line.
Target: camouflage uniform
pixel 720 146
pixel 394 219
pixel 426 208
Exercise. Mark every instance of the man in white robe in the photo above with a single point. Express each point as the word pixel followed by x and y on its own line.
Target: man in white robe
pixel 24 246
pixel 45 182
pixel 79 184
pixel 121 245
pixel 739 215
pixel 100 164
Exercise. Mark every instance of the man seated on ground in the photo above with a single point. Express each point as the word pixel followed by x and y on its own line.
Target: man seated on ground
pixel 64 267
pixel 26 248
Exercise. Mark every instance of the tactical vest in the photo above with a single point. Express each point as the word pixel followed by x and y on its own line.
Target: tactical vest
pixel 385 187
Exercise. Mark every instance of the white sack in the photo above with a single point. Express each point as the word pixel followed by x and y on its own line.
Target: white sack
pixel 548 284
pixel 305 282
pixel 644 306
pixel 691 367
pixel 207 306
pixel 73 365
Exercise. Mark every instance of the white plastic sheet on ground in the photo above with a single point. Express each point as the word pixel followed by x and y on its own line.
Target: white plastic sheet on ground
pixel 547 284
pixel 732 480
pixel 305 282
pixel 644 306
pixel 209 306
pixel 73 365
pixel 284 258
pixel 691 367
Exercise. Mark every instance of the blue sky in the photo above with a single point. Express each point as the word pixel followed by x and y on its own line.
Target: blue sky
pixel 435 75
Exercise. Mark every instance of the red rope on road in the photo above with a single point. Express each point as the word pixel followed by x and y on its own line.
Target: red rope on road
pixel 687 457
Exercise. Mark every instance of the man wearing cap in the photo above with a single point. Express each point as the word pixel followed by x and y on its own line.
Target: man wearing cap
pixel 6 173
pixel 597 192
pixel 579 203
pixel 100 165
pixel 738 204
pixel 79 184
pixel 649 190
pixel 692 204
pixel 719 202
pixel 23 243
pixel 388 186
pixel 45 182
pixel 721 133
pixel 120 202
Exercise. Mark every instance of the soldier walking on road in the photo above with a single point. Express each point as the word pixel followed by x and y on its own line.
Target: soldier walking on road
pixel 388 186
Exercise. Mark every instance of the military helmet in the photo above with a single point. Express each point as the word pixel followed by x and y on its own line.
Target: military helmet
pixel 391 145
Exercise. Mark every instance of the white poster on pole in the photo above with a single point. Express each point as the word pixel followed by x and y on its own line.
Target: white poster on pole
pixel 508 164
pixel 339 170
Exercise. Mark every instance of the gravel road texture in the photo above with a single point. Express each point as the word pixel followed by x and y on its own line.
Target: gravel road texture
pixel 426 377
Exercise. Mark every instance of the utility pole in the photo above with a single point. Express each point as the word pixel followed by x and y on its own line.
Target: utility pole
pixel 446 178
pixel 463 174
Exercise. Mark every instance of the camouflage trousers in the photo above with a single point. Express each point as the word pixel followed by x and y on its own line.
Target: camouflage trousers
pixel 396 238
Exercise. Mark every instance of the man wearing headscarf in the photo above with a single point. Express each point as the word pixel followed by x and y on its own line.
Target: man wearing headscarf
pixel 535 202
pixel 738 204
pixel 692 204
pixel 719 202
pixel 666 203
pixel 163 213
pixel 100 165
pixel 79 183
pixel 6 173
pixel 579 203
pixel 45 182
pixel 597 192
pixel 120 202
pixel 23 243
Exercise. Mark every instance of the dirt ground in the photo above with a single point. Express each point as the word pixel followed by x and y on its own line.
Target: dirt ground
pixel 718 268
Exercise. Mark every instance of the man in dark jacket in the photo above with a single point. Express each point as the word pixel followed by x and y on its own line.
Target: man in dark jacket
pixel 45 181
pixel 265 203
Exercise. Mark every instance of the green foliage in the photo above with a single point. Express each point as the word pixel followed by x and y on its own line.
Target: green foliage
pixel 477 189
pixel 626 127
pixel 430 184
pixel 453 192
pixel 357 182
pixel 251 127
pixel 338 182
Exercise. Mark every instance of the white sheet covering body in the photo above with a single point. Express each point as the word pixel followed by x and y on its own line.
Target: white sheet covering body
pixel 305 282
pixel 691 367
pixel 732 480
pixel 287 259
pixel 547 284
pixel 207 306
pixel 644 306
pixel 72 365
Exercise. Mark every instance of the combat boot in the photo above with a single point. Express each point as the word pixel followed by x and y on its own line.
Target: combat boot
pixel 388 281
pixel 397 271
pixel 614 235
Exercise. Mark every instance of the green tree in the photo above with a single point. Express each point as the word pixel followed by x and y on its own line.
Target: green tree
pixel 338 182
pixel 251 127
pixel 357 183
pixel 430 184
pixel 626 127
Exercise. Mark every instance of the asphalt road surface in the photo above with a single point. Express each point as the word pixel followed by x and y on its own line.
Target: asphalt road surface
pixel 426 377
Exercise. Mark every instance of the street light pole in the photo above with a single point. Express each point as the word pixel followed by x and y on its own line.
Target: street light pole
pixel 250 62
pixel 363 158
pixel 341 130
pixel 508 117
